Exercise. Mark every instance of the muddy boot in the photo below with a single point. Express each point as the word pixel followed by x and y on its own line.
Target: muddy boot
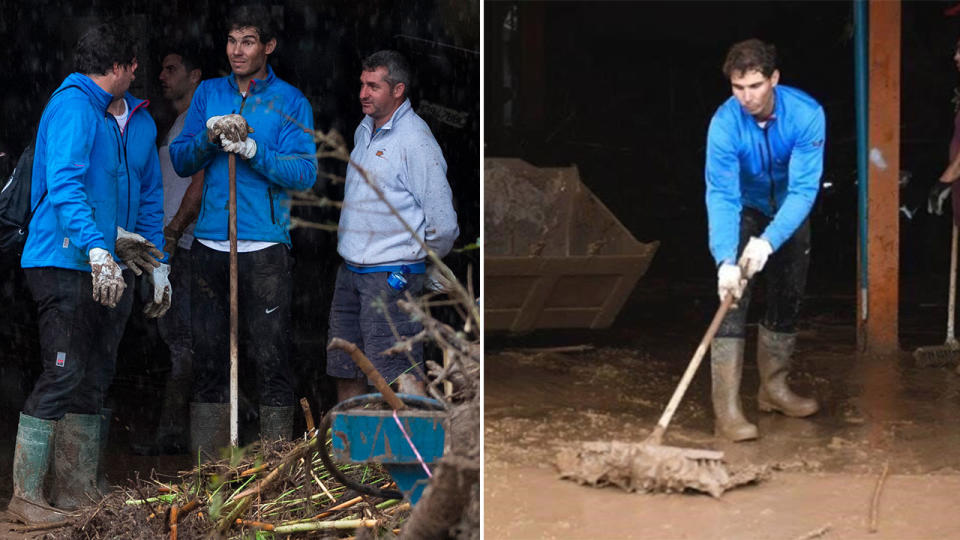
pixel 276 423
pixel 31 461
pixel 726 367
pixel 209 429
pixel 774 352
pixel 75 458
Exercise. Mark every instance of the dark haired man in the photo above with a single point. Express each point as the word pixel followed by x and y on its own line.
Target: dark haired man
pixel 382 260
pixel 763 167
pixel 277 155
pixel 95 177
pixel 180 74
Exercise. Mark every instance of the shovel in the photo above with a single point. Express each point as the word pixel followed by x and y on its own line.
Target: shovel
pixel 234 317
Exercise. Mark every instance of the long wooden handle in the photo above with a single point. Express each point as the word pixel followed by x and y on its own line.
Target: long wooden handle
pixel 656 436
pixel 371 372
pixel 951 302
pixel 234 316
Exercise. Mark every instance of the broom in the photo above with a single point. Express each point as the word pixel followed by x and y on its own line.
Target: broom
pixel 651 466
pixel 938 355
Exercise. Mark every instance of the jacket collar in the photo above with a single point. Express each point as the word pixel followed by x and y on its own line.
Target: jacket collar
pixel 256 85
pixel 401 110
pixel 100 97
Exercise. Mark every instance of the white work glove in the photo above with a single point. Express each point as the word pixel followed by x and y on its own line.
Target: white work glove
pixel 245 148
pixel 730 281
pixel 160 277
pixel 232 126
pixel 939 192
pixel 108 281
pixel 755 255
pixel 137 252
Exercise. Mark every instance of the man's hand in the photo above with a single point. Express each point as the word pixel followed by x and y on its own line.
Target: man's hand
pixel 939 192
pixel 730 281
pixel 108 281
pixel 160 279
pixel 245 148
pixel 171 237
pixel 137 252
pixel 755 255
pixel 436 281
pixel 231 126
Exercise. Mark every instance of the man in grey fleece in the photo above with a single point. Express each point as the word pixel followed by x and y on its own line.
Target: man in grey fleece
pixel 382 259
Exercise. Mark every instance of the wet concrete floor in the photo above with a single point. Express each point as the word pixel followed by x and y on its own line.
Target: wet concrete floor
pixel 875 413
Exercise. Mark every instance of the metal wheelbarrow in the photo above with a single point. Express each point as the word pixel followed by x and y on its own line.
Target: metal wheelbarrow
pixel 368 435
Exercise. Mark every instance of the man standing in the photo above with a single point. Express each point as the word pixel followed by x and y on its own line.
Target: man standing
pixel 403 163
pixel 179 76
pixel 763 167
pixel 278 154
pixel 95 176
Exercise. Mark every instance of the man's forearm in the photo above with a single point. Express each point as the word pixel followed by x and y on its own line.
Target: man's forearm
pixel 189 205
pixel 952 172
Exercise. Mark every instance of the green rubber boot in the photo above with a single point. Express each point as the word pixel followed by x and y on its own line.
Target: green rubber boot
pixel 75 460
pixel 102 485
pixel 209 429
pixel 31 461
pixel 276 423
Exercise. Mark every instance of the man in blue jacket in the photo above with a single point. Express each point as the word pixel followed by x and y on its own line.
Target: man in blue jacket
pixel 277 155
pixel 382 260
pixel 97 193
pixel 764 161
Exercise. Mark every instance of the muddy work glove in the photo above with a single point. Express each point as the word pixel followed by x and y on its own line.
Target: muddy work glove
pixel 108 281
pixel 939 192
pixel 137 252
pixel 245 148
pixel 160 278
pixel 755 256
pixel 730 281
pixel 233 127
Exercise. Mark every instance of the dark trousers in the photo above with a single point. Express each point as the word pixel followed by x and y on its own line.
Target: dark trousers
pixel 78 342
pixel 365 313
pixel 784 279
pixel 176 331
pixel 264 299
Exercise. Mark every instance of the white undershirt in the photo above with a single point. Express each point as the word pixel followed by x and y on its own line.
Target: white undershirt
pixel 122 118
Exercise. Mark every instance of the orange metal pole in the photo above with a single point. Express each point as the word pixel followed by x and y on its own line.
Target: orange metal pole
pixel 878 333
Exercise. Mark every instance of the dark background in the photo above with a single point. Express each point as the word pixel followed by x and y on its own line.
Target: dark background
pixel 321 46
pixel 625 91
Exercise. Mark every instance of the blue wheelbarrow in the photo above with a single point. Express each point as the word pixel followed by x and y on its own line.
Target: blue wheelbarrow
pixel 406 442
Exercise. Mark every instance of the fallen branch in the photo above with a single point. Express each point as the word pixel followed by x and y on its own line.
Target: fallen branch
pixel 875 503
pixel 256 524
pixel 326 525
pixel 816 533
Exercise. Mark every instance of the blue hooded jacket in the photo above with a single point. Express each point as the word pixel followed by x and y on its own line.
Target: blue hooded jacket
pixel 96 178
pixel 775 169
pixel 282 120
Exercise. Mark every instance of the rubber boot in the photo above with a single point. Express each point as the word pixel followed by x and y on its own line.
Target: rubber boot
pixel 276 423
pixel 31 461
pixel 726 367
pixel 102 485
pixel 774 353
pixel 76 456
pixel 209 429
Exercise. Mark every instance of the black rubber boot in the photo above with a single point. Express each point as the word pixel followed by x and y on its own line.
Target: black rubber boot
pixel 209 429
pixel 31 461
pixel 774 353
pixel 276 423
pixel 726 368
pixel 75 461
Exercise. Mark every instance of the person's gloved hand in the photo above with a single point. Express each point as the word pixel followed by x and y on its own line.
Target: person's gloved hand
pixel 160 278
pixel 730 281
pixel 232 126
pixel 245 148
pixel 939 192
pixel 137 252
pixel 436 281
pixel 108 281
pixel 755 255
